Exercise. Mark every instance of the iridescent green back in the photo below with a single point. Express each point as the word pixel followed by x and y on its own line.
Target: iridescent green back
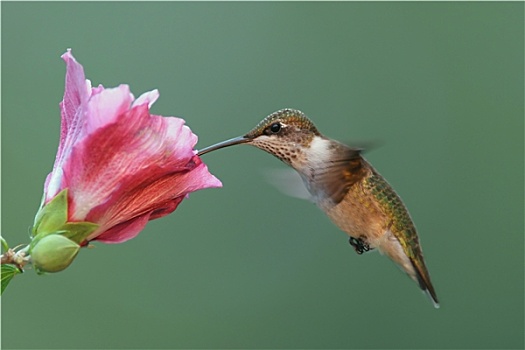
pixel 402 226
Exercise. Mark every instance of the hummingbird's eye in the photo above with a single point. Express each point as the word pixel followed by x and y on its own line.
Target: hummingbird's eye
pixel 275 128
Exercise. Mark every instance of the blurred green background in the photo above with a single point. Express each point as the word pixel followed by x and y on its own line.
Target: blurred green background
pixel 438 85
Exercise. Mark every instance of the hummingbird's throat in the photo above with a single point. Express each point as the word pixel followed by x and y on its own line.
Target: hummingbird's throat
pixel 286 151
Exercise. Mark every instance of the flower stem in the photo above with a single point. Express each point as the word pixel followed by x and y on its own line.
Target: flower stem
pixel 17 258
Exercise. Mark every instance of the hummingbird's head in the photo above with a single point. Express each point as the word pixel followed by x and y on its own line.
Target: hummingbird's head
pixel 285 123
pixel 284 134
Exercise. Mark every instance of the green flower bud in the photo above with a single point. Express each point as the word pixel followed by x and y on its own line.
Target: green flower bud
pixel 53 253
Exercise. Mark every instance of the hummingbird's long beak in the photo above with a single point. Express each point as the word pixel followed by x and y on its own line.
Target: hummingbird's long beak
pixel 230 142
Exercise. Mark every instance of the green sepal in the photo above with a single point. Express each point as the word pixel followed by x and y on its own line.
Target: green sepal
pixel 78 231
pixel 7 272
pixel 52 216
pixel 52 219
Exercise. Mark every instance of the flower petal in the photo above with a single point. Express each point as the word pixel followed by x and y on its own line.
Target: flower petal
pixel 107 106
pixel 76 94
pixel 148 97
pixel 128 169
pixel 123 231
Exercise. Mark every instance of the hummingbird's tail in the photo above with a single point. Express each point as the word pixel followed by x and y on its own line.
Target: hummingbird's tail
pixel 408 258
pixel 423 278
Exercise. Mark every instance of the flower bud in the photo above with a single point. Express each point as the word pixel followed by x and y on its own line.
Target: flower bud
pixel 53 253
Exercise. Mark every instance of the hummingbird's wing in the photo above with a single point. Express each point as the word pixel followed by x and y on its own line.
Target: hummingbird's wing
pixel 289 182
pixel 344 168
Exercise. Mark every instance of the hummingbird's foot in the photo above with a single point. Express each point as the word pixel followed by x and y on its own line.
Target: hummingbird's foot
pixel 360 246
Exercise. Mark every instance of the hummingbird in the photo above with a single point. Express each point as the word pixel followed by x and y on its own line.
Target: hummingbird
pixel 345 186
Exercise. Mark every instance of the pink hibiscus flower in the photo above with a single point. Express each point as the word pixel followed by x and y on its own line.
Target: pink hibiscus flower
pixel 121 165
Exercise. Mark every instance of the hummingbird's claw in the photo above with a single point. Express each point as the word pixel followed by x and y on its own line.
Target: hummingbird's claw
pixel 360 246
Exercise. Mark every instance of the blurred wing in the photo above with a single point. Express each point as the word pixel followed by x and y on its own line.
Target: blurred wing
pixel 345 168
pixel 289 182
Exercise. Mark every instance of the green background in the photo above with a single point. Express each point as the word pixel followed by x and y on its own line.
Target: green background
pixel 438 85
